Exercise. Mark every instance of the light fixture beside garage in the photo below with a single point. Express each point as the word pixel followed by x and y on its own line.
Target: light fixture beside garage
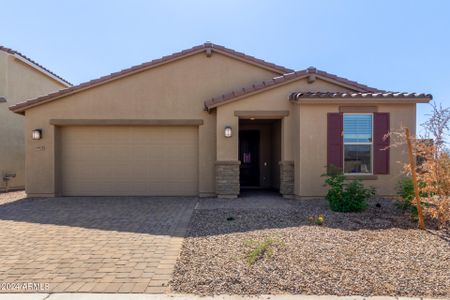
pixel 36 134
pixel 228 132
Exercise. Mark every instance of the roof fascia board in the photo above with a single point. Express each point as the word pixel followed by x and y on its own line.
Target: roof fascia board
pixel 247 61
pixel 339 83
pixel 39 69
pixel 134 122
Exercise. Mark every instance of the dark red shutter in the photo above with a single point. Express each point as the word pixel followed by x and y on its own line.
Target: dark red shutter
pixel 380 153
pixel 334 140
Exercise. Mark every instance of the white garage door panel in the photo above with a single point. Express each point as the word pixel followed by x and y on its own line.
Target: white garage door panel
pixel 129 160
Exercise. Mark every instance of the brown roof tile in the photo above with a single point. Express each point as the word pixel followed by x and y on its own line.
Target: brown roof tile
pixel 14 52
pixel 21 107
pixel 284 79
pixel 339 95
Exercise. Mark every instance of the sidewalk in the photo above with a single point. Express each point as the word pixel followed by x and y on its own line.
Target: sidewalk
pixel 86 296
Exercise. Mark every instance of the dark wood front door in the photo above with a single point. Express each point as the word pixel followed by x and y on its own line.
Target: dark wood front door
pixel 249 157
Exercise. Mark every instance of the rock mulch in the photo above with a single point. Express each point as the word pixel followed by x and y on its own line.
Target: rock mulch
pixel 377 252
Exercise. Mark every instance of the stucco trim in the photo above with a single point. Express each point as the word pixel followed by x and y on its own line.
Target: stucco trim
pixel 286 162
pixel 228 162
pixel 361 177
pixel 134 122
pixel 262 114
pixel 358 109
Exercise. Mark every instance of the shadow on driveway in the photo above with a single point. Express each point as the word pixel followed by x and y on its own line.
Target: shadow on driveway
pixel 212 216
pixel 160 216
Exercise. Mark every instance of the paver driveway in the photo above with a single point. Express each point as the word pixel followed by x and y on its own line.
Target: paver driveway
pixel 92 244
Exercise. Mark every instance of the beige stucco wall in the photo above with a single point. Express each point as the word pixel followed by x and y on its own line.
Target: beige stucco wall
pixel 18 82
pixel 276 154
pixel 304 134
pixel 272 100
pixel 313 147
pixel 176 90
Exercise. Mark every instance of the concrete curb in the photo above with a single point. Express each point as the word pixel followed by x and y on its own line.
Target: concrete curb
pixel 87 296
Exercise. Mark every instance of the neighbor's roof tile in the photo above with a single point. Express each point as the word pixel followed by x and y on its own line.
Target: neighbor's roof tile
pixel 14 52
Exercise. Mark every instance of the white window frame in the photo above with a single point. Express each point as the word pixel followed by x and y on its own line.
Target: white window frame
pixel 357 143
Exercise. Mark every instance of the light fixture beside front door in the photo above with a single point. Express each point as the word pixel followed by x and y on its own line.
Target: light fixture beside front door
pixel 36 134
pixel 228 132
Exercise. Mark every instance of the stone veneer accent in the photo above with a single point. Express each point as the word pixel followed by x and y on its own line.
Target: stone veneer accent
pixel 287 178
pixel 227 179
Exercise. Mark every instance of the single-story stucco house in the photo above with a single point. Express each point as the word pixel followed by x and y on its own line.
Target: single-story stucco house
pixel 21 78
pixel 209 121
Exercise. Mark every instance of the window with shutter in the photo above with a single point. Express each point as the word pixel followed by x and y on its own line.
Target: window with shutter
pixel 357 143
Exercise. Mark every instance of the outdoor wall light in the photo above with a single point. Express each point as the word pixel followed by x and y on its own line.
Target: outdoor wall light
pixel 36 134
pixel 228 132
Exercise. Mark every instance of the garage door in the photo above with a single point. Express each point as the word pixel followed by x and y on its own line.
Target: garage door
pixel 128 160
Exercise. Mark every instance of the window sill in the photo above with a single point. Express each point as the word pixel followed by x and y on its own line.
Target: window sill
pixel 361 177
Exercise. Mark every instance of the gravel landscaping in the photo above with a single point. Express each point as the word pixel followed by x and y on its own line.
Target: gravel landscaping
pixel 11 196
pixel 281 250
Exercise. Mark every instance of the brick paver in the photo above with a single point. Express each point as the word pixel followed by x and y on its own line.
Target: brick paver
pixel 92 244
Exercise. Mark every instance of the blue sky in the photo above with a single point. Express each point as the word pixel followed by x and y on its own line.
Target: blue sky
pixel 393 45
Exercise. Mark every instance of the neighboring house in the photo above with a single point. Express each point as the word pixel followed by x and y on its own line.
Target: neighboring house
pixel 20 78
pixel 166 128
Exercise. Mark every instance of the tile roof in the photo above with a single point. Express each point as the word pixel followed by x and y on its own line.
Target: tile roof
pixel 284 79
pixel 339 95
pixel 206 47
pixel 248 58
pixel 14 52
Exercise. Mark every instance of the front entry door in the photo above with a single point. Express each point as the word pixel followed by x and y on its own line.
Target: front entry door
pixel 249 157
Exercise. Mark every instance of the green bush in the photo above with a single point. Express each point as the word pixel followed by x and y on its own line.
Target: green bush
pixel 405 189
pixel 347 197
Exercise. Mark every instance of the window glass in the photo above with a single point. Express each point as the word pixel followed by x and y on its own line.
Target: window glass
pixel 357 128
pixel 357 159
pixel 357 143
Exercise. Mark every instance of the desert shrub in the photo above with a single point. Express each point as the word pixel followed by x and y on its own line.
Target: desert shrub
pixel 433 167
pixel 318 220
pixel 335 182
pixel 260 250
pixel 405 189
pixel 434 185
pixel 347 197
